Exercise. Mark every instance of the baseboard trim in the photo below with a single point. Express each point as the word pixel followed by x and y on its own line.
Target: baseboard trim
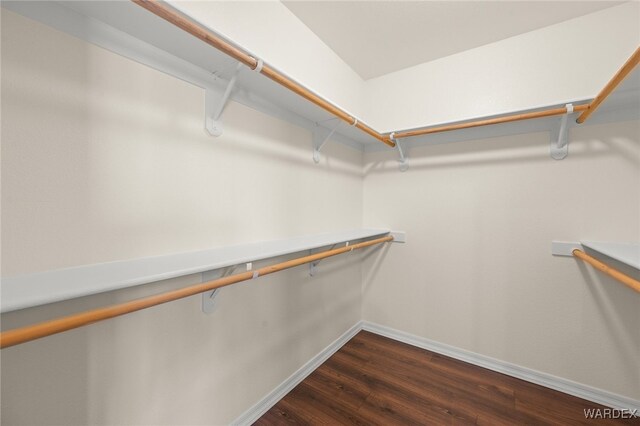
pixel 589 393
pixel 255 412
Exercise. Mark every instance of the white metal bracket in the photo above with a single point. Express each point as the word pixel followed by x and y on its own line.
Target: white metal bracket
pixel 404 160
pixel 214 105
pixel 313 265
pixel 321 136
pixel 398 236
pixel 560 145
pixel 209 298
pixel 564 248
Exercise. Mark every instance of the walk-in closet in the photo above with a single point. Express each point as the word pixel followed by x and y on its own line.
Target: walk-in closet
pixel 320 212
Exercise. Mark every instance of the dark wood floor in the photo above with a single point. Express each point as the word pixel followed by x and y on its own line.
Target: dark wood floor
pixel 373 380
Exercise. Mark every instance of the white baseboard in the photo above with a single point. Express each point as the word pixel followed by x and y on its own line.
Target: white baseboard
pixel 589 393
pixel 254 413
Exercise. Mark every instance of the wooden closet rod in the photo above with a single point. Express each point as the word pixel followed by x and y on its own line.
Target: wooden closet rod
pixel 171 15
pixel 612 84
pixel 612 272
pixel 489 121
pixel 176 18
pixel 587 109
pixel 47 328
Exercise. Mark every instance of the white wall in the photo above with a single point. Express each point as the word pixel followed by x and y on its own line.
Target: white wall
pixel 561 63
pixel 271 31
pixel 565 62
pixel 477 272
pixel 105 159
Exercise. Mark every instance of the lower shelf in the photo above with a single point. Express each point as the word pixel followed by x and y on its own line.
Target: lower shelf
pixel 627 253
pixel 40 288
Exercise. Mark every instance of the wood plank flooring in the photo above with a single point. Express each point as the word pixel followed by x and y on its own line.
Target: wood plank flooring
pixel 373 380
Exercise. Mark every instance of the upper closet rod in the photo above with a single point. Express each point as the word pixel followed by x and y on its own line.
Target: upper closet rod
pixel 612 84
pixel 587 109
pixel 171 15
pixel 612 272
pixel 489 121
pixel 47 328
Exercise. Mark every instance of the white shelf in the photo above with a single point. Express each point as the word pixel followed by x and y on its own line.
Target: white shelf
pixel 627 253
pixel 131 31
pixel 25 291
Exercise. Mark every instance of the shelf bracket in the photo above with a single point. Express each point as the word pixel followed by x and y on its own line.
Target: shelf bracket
pixel 313 265
pixel 214 106
pixel 560 146
pixel 321 136
pixel 209 298
pixel 404 160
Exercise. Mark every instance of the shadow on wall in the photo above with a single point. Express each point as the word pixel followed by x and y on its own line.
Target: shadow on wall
pixel 132 111
pixel 499 151
pixel 251 134
pixel 618 309
pixel 372 271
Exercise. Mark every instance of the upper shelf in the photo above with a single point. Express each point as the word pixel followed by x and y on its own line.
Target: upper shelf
pixel 627 253
pixel 130 30
pixel 24 291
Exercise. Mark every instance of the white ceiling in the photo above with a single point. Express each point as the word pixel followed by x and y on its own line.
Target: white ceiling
pixel 379 37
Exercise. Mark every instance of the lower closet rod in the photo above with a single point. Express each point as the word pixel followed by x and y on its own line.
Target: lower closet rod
pixel 614 273
pixel 58 325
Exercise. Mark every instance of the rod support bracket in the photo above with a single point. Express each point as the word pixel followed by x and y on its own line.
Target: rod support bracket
pixel 313 266
pixel 259 65
pixel 560 143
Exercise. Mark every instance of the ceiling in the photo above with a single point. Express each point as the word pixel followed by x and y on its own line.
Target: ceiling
pixel 379 37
